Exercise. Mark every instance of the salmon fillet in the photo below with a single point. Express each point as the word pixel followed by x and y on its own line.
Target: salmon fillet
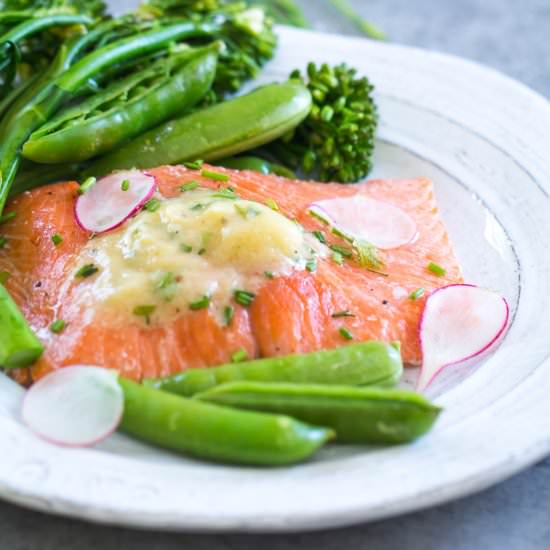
pixel 290 314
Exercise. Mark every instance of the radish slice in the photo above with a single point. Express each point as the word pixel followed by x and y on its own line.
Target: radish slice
pixel 106 206
pixel 459 322
pixel 74 406
pixel 380 223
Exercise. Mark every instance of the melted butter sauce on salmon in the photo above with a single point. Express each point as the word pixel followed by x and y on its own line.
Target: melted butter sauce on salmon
pixel 200 244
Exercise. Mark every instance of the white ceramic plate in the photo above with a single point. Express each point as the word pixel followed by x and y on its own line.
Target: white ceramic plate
pixel 484 140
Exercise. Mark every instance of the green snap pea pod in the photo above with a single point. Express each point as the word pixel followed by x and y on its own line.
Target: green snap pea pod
pixel 19 347
pixel 225 129
pixel 217 433
pixel 125 109
pixel 357 415
pixel 256 164
pixel 373 363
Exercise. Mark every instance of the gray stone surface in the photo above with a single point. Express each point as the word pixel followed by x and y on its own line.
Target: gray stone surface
pixel 513 38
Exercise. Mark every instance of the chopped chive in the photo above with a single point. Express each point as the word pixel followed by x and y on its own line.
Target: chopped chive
pixel 7 217
pixel 201 251
pixel 345 333
pixel 342 250
pixel 189 186
pixel 152 206
pixel 86 185
pixel 320 217
pixel 345 313
pixel 337 258
pixel 57 239
pixel 199 206
pixel 4 276
pixel 203 303
pixel 269 275
pixel 416 294
pixel 320 237
pixel 247 212
pixel 145 311
pixel 437 269
pixel 194 165
pixel 368 254
pixel 243 297
pixel 217 176
pixel 57 326
pixel 186 248
pixel 225 193
pixel 228 314
pixel 167 286
pixel 341 234
pixel 311 265
pixel 239 356
pixel 3 242
pixel 272 204
pixel 86 271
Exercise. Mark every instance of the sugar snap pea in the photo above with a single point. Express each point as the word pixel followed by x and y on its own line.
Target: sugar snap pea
pixel 214 432
pixel 373 363
pixel 220 131
pixel 256 164
pixel 125 109
pixel 357 415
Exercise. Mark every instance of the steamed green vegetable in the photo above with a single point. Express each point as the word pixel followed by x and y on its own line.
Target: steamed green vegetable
pixel 225 129
pixel 125 109
pixel 373 363
pixel 357 415
pixel 19 347
pixel 217 433
pixel 336 140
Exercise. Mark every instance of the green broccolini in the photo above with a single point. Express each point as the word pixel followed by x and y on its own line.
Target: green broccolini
pixel 336 141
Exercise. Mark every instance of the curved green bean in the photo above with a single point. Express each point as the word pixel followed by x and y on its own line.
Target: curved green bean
pixel 357 415
pixel 125 109
pixel 220 131
pixel 217 433
pixel 372 363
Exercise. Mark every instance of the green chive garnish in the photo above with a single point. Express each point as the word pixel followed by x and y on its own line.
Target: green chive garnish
pixel 125 185
pixel 320 237
pixel 437 269
pixel 416 294
pixel 367 254
pixel 145 311
pixel 345 333
pixel 269 275
pixel 3 242
pixel 228 314
pixel 152 206
pixel 217 176
pixel 243 297
pixel 4 276
pixel 320 217
pixel 86 185
pixel 342 250
pixel 345 313
pixel 86 271
pixel 186 248
pixel 198 206
pixel 194 165
pixel 338 258
pixel 311 265
pixel 203 303
pixel 189 186
pixel 239 356
pixel 225 193
pixel 57 239
pixel 167 286
pixel 7 217
pixel 341 234
pixel 57 326
pixel 272 204
pixel 247 212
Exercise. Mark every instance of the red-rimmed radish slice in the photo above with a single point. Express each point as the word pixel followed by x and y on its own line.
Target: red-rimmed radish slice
pixel 74 406
pixel 459 323
pixel 109 203
pixel 380 223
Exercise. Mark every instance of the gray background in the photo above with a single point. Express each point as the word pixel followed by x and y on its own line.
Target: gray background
pixel 512 36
